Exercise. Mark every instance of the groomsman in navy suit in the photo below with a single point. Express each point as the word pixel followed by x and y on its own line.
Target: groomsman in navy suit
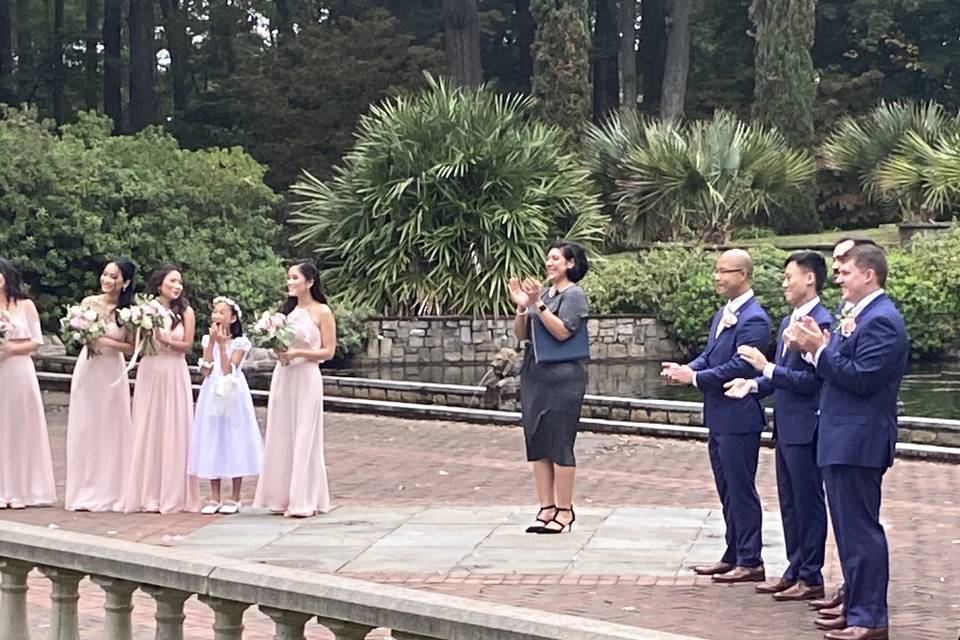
pixel 735 424
pixel 862 363
pixel 796 389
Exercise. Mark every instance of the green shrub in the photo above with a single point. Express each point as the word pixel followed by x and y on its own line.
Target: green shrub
pixel 69 203
pixel 444 197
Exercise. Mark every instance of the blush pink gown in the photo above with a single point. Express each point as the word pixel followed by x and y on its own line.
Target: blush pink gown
pixel 26 466
pixel 294 478
pixel 157 480
pixel 99 430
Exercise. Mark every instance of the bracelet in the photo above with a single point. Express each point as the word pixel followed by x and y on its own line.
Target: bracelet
pixel 205 364
pixel 522 313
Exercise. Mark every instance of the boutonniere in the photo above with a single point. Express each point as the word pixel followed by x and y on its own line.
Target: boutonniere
pixel 728 319
pixel 847 326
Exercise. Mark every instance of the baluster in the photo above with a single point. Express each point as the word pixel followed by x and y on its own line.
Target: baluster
pixel 13 600
pixel 117 624
pixel 289 624
pixel 169 611
pixel 346 630
pixel 64 624
pixel 227 617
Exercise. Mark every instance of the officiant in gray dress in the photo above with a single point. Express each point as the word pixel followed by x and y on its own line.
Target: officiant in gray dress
pixel 553 378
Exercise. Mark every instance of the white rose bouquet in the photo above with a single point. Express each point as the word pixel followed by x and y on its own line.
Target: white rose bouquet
pixel 143 318
pixel 271 331
pixel 82 326
pixel 6 327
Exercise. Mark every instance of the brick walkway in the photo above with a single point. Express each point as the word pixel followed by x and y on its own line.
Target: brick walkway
pixel 389 464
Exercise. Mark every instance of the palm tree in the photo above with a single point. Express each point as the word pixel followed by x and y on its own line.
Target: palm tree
pixel 903 154
pixel 446 195
pixel 706 177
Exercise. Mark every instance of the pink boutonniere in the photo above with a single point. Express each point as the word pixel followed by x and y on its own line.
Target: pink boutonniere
pixel 728 319
pixel 847 326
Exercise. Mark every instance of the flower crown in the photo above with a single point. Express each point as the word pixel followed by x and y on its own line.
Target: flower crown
pixel 230 303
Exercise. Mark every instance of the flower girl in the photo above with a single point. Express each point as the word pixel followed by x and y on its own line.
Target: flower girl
pixel 226 438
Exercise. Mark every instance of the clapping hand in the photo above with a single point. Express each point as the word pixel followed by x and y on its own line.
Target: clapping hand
pixel 807 336
pixel 517 294
pixel 676 373
pixel 738 388
pixel 753 356
pixel 532 287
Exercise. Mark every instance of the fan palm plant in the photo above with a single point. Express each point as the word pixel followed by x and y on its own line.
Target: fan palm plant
pixel 445 195
pixel 706 177
pixel 881 150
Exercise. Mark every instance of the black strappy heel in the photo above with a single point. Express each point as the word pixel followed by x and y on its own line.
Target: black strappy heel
pixel 564 527
pixel 535 528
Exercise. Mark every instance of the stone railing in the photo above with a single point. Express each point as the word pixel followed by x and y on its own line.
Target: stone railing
pixel 349 608
pixel 449 339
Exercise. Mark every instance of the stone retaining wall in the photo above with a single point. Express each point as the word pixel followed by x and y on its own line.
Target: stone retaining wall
pixel 467 340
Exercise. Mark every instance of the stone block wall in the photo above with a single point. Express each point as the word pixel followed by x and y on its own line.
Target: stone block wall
pixel 454 339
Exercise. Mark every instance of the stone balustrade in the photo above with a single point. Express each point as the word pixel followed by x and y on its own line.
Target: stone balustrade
pixel 348 608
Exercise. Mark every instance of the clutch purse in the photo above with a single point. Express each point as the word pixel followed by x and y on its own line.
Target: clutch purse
pixel 547 349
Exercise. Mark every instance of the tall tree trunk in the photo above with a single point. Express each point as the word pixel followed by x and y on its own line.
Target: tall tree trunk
pixel 461 36
pixel 113 62
pixel 178 44
pixel 677 64
pixel 26 70
pixel 284 22
pixel 59 70
pixel 7 92
pixel 627 17
pixel 652 52
pixel 143 64
pixel 526 29
pixel 606 75
pixel 91 58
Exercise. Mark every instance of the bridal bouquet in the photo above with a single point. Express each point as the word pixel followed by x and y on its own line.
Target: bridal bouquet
pixel 271 331
pixel 6 328
pixel 143 318
pixel 81 326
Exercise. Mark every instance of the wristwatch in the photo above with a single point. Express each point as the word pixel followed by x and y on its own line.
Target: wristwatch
pixel 541 307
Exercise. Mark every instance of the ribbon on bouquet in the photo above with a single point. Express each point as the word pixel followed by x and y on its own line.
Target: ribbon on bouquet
pixel 138 344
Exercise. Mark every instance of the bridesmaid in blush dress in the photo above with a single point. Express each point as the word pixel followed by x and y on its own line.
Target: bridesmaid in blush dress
pixel 26 467
pixel 294 478
pixel 99 431
pixel 163 410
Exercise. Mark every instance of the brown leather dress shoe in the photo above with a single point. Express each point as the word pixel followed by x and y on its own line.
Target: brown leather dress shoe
pixel 857 633
pixel 832 612
pixel 775 587
pixel 798 592
pixel 712 569
pixel 826 603
pixel 830 624
pixel 741 574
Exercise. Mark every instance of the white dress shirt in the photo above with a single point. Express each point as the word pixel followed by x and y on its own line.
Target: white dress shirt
pixel 798 314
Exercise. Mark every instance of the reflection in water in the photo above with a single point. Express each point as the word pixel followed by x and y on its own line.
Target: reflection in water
pixel 930 390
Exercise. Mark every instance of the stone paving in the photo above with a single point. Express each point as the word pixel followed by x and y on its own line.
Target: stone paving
pixel 441 506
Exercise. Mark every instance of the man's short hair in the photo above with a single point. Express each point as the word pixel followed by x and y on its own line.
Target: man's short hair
pixel 812 262
pixel 869 256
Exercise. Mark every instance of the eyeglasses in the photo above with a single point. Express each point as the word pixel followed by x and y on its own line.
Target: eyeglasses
pixel 727 271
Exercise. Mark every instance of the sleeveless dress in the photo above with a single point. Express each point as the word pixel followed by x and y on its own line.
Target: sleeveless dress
pixel 26 467
pixel 294 478
pixel 226 437
pixel 99 430
pixel 162 422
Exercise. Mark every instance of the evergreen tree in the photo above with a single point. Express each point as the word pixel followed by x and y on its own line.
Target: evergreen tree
pixel 561 66
pixel 785 89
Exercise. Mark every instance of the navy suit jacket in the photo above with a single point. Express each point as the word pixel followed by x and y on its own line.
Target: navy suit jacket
pixel 861 381
pixel 795 387
pixel 719 364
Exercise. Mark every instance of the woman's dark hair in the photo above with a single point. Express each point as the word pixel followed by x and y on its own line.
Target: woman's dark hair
pixel 128 271
pixel 178 306
pixel 576 253
pixel 14 283
pixel 309 272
